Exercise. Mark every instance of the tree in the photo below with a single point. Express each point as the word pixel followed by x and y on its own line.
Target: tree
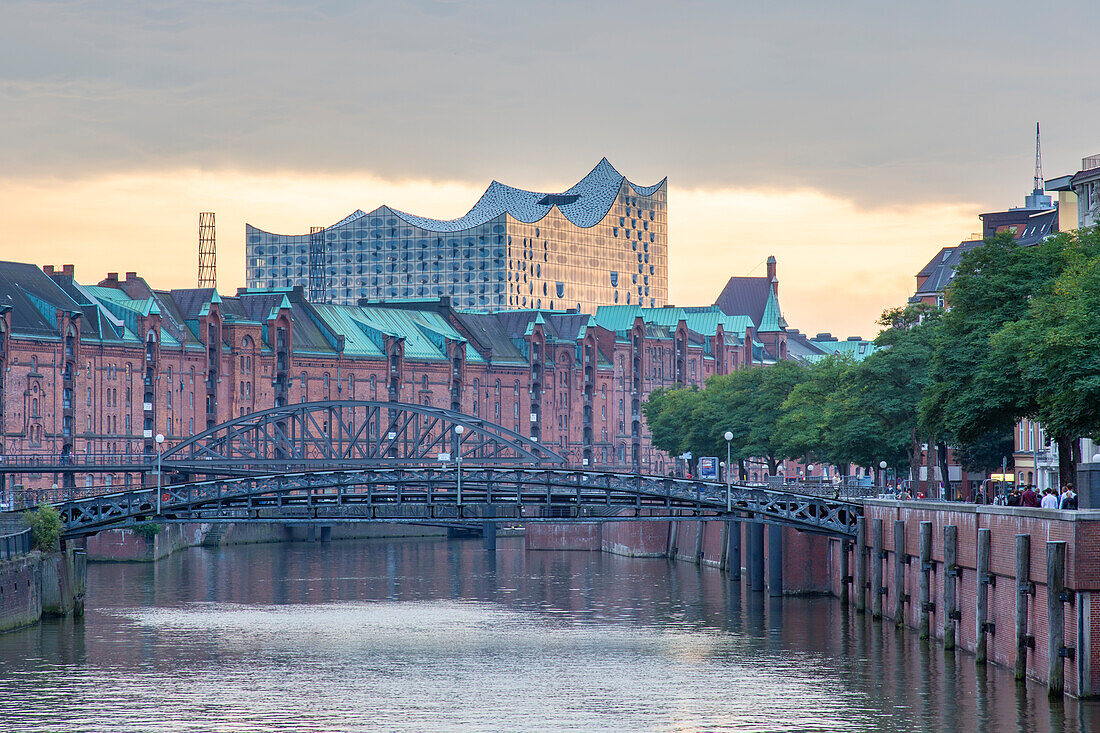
pixel 1055 347
pixel 808 427
pixel 893 380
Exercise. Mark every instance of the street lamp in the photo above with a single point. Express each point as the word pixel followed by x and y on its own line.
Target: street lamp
pixel 458 459
pixel 729 478
pixel 882 465
pixel 160 444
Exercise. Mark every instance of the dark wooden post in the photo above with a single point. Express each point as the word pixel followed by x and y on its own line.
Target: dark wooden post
pixel 876 568
pixel 861 565
pixel 950 584
pixel 924 592
pixel 700 526
pixel 1024 588
pixel 845 573
pixel 775 561
pixel 756 556
pixel 901 559
pixel 981 618
pixel 1056 618
pixel 733 550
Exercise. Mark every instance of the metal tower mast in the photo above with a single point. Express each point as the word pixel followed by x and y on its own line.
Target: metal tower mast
pixel 1039 185
pixel 317 289
pixel 207 254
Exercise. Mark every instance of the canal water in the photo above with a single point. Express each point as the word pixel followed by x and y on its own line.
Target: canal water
pixel 430 634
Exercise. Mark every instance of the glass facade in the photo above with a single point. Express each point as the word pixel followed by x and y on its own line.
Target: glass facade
pixel 602 242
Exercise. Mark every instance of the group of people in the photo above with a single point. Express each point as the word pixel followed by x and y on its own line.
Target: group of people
pixel 1029 497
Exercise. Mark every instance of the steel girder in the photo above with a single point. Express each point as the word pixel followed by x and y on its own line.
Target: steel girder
pixel 351 434
pixel 431 494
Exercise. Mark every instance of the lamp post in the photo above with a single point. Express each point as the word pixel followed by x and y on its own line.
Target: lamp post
pixel 458 459
pixel 882 465
pixel 160 444
pixel 729 478
pixel 809 470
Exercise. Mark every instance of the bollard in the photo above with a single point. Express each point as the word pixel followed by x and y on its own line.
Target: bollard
pixel 1024 588
pixel 876 568
pixel 950 584
pixel 733 549
pixel 924 591
pixel 756 556
pixel 775 561
pixel 981 616
pixel 861 565
pixel 901 559
pixel 1056 617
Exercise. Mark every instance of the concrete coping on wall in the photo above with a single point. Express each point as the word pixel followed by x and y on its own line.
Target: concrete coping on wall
pixel 1069 515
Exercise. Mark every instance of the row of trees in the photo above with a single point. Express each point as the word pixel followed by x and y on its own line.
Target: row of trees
pixel 1020 339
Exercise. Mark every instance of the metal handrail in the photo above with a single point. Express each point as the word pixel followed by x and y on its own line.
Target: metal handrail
pixel 15 545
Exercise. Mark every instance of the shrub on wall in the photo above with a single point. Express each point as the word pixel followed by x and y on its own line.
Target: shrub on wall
pixel 45 524
pixel 148 530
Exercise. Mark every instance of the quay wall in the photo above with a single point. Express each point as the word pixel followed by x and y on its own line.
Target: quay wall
pixel 804 559
pixel 38 585
pixel 127 545
pixel 813 563
pixel 1080 530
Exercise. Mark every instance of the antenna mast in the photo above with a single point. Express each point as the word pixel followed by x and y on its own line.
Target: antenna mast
pixel 1039 185
pixel 207 251
pixel 317 265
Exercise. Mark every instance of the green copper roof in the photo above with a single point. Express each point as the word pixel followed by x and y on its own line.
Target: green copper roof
pixel 772 320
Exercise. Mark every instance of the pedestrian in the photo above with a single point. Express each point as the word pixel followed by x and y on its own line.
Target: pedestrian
pixel 979 498
pixel 1029 498
pixel 1069 498
pixel 1050 500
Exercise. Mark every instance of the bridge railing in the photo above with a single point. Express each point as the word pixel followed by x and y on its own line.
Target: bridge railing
pixel 15 545
pixel 58 461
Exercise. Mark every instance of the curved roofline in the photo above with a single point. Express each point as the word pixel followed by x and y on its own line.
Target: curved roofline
pixel 584 204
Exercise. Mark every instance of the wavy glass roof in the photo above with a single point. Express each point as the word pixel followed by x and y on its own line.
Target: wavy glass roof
pixel 585 204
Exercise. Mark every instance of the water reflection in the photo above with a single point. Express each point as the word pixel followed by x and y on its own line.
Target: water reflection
pixel 437 635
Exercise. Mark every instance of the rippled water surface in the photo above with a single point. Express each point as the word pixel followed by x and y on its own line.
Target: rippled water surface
pixel 427 634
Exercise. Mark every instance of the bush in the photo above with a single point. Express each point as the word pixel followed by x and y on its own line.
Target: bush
pixel 148 530
pixel 45 524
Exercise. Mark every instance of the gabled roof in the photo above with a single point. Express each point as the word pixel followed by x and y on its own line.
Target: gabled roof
pixel 750 296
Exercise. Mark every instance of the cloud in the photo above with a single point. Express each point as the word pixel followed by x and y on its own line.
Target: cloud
pixel 840 265
pixel 865 101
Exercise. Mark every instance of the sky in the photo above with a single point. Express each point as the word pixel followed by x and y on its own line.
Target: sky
pixel 852 140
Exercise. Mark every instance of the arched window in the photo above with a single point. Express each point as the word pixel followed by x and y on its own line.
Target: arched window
pixel 34 407
pixel 424 382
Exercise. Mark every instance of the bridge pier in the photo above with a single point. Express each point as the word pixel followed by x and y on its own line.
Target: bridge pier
pixel 756 556
pixel 775 561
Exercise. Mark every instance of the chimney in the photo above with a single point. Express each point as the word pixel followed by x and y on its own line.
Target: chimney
pixel 69 270
pixel 111 281
pixel 48 269
pixel 771 275
pixel 131 276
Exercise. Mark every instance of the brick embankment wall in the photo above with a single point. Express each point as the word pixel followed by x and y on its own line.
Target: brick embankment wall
pixel 805 558
pixel 40 585
pixel 126 545
pixel 1079 530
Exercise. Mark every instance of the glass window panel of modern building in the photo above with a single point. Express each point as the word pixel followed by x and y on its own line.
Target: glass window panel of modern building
pixel 602 242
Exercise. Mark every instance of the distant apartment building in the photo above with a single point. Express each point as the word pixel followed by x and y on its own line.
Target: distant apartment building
pixel 603 241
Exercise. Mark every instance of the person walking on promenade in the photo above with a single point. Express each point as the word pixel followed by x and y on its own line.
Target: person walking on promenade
pixel 1050 499
pixel 1069 498
pixel 1029 497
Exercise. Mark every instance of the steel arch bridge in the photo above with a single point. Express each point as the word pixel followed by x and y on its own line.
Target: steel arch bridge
pixel 331 434
pixel 438 494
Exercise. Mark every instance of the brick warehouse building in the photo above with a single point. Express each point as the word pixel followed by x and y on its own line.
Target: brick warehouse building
pixel 101 369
